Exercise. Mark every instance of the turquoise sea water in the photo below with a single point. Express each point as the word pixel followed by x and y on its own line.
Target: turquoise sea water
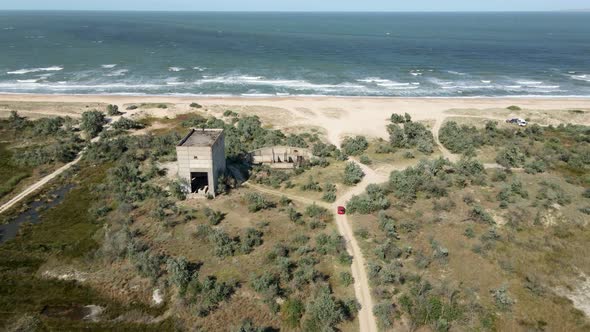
pixel 358 54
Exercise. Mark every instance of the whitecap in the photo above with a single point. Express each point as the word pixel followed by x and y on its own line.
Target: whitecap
pixel 34 70
pixel 116 73
pixel 529 82
pixel 175 69
pixel 27 81
pixel 486 81
pixel 581 77
pixel 200 68
pixel 456 73
pixel 110 66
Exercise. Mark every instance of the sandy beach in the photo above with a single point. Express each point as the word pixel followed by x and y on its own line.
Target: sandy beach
pixel 336 116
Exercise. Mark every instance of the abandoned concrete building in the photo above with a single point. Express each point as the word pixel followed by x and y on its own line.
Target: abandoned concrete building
pixel 280 156
pixel 201 160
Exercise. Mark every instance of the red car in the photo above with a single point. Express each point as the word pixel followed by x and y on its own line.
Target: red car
pixel 341 210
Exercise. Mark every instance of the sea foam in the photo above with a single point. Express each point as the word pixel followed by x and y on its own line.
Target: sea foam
pixel 34 70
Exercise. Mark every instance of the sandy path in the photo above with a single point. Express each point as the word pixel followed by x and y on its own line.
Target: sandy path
pixel 38 185
pixel 361 280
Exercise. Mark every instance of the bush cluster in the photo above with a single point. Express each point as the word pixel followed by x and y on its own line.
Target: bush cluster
pixel 354 146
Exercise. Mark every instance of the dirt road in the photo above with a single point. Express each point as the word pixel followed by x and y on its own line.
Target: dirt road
pixel 361 280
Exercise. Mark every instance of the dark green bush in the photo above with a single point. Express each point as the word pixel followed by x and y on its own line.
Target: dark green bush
pixel 353 174
pixel 354 146
pixel 257 202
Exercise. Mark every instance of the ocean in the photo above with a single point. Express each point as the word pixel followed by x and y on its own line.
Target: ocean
pixel 282 54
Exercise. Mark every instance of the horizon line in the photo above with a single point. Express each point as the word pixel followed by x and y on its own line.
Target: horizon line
pixel 297 11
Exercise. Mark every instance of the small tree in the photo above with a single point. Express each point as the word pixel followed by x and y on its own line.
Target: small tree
pixel 510 157
pixel 92 122
pixel 178 272
pixel 353 174
pixel 113 110
pixel 323 312
pixel 354 146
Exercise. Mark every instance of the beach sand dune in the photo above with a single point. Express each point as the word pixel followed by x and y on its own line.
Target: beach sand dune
pixel 339 116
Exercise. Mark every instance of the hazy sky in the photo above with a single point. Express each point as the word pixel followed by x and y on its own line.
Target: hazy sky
pixel 300 5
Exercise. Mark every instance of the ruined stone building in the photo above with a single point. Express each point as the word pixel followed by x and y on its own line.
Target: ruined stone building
pixel 201 159
pixel 280 156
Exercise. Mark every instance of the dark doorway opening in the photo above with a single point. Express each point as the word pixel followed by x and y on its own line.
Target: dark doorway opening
pixel 199 181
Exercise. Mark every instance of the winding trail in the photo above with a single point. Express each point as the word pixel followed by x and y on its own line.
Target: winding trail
pixel 362 289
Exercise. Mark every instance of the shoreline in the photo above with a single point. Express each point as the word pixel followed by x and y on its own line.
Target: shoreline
pixel 12 95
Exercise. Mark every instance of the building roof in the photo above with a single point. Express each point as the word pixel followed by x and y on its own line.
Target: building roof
pixel 201 137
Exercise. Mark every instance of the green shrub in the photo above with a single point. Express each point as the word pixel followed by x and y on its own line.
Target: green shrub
pixel 179 190
pixel 551 193
pixel 317 212
pixel 205 296
pixel 536 166
pixel 311 185
pixel 127 124
pixel 178 272
pixel 514 108
pixel 353 174
pixel 502 298
pixel 510 157
pixel 479 214
pixel 329 193
pixel 384 313
pixel 411 135
pixel 257 202
pixel 248 326
pixel 113 110
pixel 397 118
pixel 346 278
pixel 323 150
pixel 460 139
pixel 354 146
pixel 214 217
pixel 223 244
pixel 374 199
pixel 92 122
pixel 365 160
pixel 195 105
pixel 425 307
pixel 252 239
pixel 323 312
pixel 132 107
pixel 291 312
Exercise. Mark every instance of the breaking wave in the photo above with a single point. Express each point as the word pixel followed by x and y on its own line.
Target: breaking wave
pixel 34 70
